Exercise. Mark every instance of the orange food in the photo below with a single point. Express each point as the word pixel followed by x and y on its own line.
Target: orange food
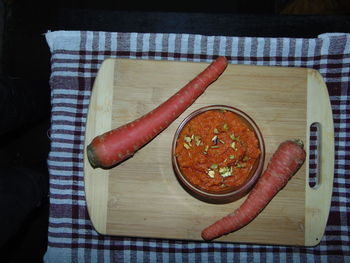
pixel 216 151
pixel 114 146
pixel 285 162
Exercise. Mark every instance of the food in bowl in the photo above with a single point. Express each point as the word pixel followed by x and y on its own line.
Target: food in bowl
pixel 218 153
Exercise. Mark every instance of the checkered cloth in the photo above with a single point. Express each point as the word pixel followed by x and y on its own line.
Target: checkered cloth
pixel 76 57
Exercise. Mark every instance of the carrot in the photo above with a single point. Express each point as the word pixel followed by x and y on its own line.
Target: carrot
pixel 284 163
pixel 119 144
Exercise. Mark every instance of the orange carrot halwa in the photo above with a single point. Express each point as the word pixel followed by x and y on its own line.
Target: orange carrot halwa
pixel 216 150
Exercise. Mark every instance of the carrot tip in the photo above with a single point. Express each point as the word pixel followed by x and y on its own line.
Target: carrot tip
pixel 92 156
pixel 204 236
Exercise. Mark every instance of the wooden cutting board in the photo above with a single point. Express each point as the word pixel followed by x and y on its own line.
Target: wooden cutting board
pixel 142 198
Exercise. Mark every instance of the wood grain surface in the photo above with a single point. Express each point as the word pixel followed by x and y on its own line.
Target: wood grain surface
pixel 141 196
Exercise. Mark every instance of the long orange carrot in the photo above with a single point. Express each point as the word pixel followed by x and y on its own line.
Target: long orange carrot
pixel 117 145
pixel 284 163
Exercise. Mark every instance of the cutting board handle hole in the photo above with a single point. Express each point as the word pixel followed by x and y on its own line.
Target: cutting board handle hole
pixel 314 154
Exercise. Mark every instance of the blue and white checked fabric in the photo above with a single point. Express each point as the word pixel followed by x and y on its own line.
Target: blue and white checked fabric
pixel 76 57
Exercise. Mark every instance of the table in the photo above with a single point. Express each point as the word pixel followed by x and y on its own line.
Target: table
pixel 76 57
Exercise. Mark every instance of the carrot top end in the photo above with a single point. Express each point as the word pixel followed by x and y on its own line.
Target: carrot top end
pixel 92 156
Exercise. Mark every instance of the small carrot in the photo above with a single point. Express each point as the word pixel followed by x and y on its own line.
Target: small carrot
pixel 284 163
pixel 117 145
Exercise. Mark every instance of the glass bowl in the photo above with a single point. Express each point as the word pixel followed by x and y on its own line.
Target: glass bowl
pixel 233 193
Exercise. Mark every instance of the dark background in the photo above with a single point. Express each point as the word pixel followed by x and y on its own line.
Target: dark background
pixel 25 60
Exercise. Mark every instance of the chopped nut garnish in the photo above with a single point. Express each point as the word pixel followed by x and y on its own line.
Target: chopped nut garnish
pixel 241 165
pixel 216 131
pixel 197 139
pixel 225 171
pixel 211 173
pixel 222 170
pixel 187 139
pixel 226 127
pixel 214 166
pixel 206 148
pixel 233 137
pixel 233 145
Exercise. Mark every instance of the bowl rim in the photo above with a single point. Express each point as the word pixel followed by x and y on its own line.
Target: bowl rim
pixel 217 196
